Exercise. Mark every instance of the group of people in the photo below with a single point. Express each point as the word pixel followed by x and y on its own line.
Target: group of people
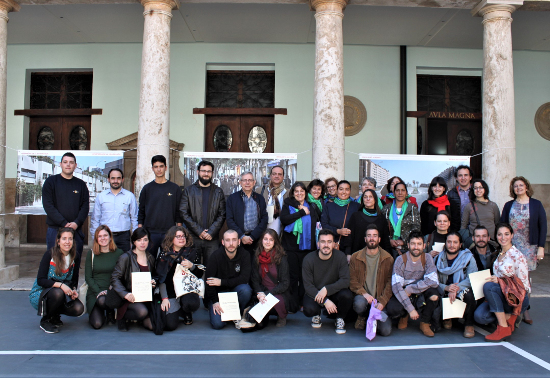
pixel 315 248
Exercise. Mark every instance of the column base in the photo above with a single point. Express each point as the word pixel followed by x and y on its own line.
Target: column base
pixel 9 273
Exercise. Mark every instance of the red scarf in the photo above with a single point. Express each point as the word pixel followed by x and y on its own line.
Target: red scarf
pixel 440 203
pixel 265 260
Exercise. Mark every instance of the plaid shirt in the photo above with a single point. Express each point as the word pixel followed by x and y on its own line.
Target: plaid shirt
pixel 251 218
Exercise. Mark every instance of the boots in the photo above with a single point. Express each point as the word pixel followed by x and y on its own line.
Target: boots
pixel 501 334
pixel 469 332
pixel 403 322
pixel 512 322
pixel 426 330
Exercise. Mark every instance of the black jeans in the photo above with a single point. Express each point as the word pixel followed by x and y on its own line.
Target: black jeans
pixel 189 303
pixel 205 248
pixel 295 260
pixel 342 299
pixel 155 241
pixel 122 241
pixel 395 309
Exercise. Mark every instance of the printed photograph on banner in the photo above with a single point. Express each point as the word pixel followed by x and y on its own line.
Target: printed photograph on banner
pixel 34 167
pixel 228 166
pixel 417 171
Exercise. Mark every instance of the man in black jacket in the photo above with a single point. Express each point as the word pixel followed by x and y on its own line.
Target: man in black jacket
pixel 203 211
pixel 459 196
pixel 228 271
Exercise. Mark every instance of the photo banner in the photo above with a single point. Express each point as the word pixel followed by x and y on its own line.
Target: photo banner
pixel 34 167
pixel 228 166
pixel 417 171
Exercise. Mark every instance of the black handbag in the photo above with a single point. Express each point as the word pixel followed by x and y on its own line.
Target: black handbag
pixel 158 317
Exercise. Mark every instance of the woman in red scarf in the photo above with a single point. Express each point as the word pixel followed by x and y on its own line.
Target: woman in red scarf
pixel 437 201
pixel 270 275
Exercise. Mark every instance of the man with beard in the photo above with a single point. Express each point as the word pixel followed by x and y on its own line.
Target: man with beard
pixel 415 286
pixel 274 195
pixel 453 268
pixel 370 280
pixel 326 280
pixel 116 208
pixel 203 211
pixel 484 253
pixel 228 271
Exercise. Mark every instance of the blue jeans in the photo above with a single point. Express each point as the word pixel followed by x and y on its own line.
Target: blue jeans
pixel 51 236
pixel 495 302
pixel 244 292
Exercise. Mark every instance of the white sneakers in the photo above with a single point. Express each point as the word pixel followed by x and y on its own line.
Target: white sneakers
pixel 340 324
pixel 316 321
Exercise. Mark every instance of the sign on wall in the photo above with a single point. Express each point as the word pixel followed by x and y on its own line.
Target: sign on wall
pixel 34 167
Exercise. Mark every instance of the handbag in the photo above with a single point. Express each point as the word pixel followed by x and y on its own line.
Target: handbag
pixel 186 282
pixel 83 291
pixel 158 317
pixel 337 244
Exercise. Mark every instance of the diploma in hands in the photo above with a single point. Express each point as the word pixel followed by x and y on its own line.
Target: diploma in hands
pixel 229 303
pixel 141 286
pixel 477 280
pixel 455 310
pixel 259 311
pixel 438 247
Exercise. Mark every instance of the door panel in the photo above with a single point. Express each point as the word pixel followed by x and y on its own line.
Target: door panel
pixel 49 139
pixel 213 122
pixel 248 123
pixel 76 133
pixel 240 127
pixel 465 139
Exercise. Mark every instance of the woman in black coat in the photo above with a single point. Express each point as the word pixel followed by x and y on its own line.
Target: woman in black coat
pixel 437 201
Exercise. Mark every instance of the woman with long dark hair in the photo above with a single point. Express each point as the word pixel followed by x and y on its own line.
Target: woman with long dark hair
pixel 270 275
pixel 54 291
pixel 481 211
pixel 390 196
pixel 315 190
pixel 177 248
pixel 100 263
pixel 135 260
pixel 437 201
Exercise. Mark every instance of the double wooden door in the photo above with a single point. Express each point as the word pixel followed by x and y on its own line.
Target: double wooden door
pixel 239 133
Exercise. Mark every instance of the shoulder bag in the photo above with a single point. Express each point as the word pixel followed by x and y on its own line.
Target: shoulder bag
pixel 337 244
pixel 83 291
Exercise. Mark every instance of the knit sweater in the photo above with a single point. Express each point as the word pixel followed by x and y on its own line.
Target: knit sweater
pixel 65 201
pixel 332 274
pixel 159 206
pixel 488 213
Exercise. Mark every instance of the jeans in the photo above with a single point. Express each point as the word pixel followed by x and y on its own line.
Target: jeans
pixel 395 309
pixel 342 299
pixel 295 260
pixel 205 248
pixel 244 293
pixel 51 236
pixel 495 302
pixel 122 241
pixel 362 307
pixel 155 241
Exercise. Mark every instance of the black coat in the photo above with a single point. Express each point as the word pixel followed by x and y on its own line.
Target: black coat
pixel 191 209
pixel 456 215
pixel 121 279
pixel 289 240
pixel 282 281
pixel 358 225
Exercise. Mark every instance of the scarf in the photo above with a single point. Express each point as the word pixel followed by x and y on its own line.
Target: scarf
pixel 380 206
pixel 274 193
pixel 440 202
pixel 395 220
pixel 317 202
pixel 369 214
pixel 303 239
pixel 329 198
pixel 341 202
pixel 265 259
pixel 461 261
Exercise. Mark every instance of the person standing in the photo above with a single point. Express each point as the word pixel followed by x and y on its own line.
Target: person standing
pixel 480 211
pixel 460 195
pixel 159 203
pixel 437 202
pixel 247 214
pixel 116 208
pixel 274 194
pixel 331 186
pixel 203 211
pixel 66 201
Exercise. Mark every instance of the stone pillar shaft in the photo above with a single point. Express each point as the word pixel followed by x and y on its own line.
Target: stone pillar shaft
pixel 154 102
pixel 328 107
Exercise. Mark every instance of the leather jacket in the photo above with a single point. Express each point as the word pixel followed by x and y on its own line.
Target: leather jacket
pixel 191 209
pixel 121 279
pixel 456 215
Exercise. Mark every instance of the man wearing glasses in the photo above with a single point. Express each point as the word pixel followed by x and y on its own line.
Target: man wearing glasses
pixel 247 213
pixel 203 211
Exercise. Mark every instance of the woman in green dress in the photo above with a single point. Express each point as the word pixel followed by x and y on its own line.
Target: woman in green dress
pixel 100 263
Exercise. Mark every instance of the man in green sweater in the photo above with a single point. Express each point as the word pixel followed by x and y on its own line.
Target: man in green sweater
pixel 326 282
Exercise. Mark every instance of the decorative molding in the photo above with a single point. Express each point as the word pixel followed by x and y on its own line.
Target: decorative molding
pixel 542 121
pixel 173 4
pixel 56 112
pixel 488 6
pixel 355 115
pixel 9 6
pixel 130 142
pixel 240 111
pixel 321 5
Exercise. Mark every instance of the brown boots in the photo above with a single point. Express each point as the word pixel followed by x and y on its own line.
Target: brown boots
pixel 426 330
pixel 403 322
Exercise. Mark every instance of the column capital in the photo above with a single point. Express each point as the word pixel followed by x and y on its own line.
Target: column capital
pixel 328 5
pixel 160 4
pixel 9 6
pixel 501 7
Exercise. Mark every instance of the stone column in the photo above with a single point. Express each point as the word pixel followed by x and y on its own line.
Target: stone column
pixel 154 102
pixel 499 129
pixel 328 105
pixel 7 273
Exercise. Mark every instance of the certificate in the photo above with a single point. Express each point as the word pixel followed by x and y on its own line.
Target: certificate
pixel 455 310
pixel 259 311
pixel 438 247
pixel 229 303
pixel 270 212
pixel 477 280
pixel 141 286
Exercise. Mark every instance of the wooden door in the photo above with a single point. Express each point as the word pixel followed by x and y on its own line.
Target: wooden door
pixel 37 228
pixel 60 133
pixel 464 138
pixel 230 133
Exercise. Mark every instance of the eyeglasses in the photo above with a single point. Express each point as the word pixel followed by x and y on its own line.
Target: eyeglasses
pixel 180 236
pixel 203 171
pixel 331 187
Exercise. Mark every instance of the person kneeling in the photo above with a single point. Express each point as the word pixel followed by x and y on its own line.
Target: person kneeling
pixel 326 280
pixel 370 279
pixel 228 271
pixel 414 281
pixel 454 266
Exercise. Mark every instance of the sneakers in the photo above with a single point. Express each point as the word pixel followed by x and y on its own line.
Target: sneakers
pixel 281 322
pixel 188 319
pixel 243 324
pixel 316 321
pixel 426 330
pixel 47 326
pixel 56 320
pixel 237 324
pixel 448 323
pixel 469 332
pixel 361 322
pixel 501 334
pixel 340 326
pixel 403 322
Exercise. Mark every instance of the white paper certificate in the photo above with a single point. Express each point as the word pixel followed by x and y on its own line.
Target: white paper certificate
pixel 229 303
pixel 438 247
pixel 141 286
pixel 270 212
pixel 259 311
pixel 477 280
pixel 455 310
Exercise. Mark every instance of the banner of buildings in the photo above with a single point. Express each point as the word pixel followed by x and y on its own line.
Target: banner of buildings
pixel 34 167
pixel 417 171
pixel 228 166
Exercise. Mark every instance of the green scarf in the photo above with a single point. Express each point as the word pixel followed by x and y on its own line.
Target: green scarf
pixel 341 202
pixel 396 224
pixel 369 214
pixel 317 202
